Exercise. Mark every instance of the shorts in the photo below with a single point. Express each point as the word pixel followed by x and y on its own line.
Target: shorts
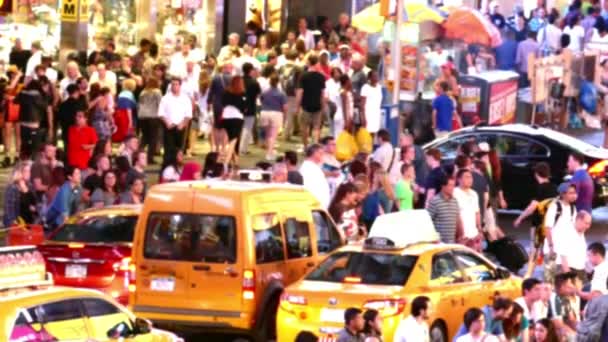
pixel 314 119
pixel 271 118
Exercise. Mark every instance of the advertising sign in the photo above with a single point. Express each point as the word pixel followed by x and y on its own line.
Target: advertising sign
pixel 503 102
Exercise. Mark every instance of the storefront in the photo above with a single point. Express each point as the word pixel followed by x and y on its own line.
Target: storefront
pixel 93 22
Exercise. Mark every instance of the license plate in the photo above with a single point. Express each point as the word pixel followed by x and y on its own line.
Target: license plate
pixel 332 315
pixel 75 271
pixel 163 284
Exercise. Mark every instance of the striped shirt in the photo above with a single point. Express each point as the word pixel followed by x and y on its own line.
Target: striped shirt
pixel 444 213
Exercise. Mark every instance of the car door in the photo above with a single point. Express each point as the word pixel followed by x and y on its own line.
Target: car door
pixel 483 278
pixel 296 225
pixel 102 316
pixel 269 247
pixel 518 155
pixel 63 320
pixel 446 279
pixel 327 235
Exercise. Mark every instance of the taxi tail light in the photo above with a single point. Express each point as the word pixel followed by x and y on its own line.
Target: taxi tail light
pixel 598 169
pixel 288 301
pixel 387 307
pixel 248 286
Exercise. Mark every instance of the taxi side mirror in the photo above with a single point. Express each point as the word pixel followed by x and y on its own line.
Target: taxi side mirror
pixel 502 273
pixel 121 329
pixel 142 326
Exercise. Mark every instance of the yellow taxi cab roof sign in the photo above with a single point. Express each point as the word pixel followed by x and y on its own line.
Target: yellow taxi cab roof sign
pixel 22 266
pixel 402 229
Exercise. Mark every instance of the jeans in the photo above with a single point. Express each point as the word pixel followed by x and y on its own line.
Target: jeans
pixel 246 134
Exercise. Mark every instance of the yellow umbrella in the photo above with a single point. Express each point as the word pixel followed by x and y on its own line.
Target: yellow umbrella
pixel 369 20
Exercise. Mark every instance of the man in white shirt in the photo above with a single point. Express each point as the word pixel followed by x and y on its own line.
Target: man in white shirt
pixel 549 36
pixel 571 247
pixel 34 60
pixel 468 202
pixel 559 221
pixel 72 73
pixel 596 255
pixel 531 294
pixel 104 77
pixel 306 35
pixel 387 156
pixel 175 110
pixel 233 44
pixel 177 63
pixel 415 327
pixel 314 178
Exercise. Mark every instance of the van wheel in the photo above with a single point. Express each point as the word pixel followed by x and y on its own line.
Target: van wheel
pixel 268 326
pixel 438 332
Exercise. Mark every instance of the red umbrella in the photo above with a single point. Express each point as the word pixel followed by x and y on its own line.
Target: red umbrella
pixel 471 27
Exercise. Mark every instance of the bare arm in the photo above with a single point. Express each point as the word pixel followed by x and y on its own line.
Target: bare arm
pixel 430 193
pixel 434 116
pixel 526 213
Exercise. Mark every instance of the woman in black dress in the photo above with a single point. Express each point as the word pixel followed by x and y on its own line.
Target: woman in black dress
pixel 233 103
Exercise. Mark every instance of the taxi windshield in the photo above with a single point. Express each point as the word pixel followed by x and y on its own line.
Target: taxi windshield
pixel 97 229
pixel 367 268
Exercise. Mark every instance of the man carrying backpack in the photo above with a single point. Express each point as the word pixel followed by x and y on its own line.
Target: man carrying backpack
pixel 288 76
pixel 559 222
pixel 546 192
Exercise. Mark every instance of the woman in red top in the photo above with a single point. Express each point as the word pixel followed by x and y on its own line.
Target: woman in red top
pixel 81 147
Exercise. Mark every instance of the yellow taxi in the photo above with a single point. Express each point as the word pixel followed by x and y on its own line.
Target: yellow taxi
pixel 399 261
pixel 35 310
pixel 216 255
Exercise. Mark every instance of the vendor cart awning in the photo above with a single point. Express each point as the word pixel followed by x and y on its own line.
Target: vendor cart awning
pixel 472 27
pixel 369 20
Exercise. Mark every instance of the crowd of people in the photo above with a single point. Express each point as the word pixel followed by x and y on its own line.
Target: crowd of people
pixel 85 137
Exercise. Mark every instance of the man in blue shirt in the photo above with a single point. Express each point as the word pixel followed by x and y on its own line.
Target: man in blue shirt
pixel 494 315
pixel 506 52
pixel 443 111
pixel 67 199
pixel 583 182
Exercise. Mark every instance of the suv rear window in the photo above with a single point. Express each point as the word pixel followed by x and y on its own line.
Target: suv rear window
pixel 370 268
pixel 98 229
pixel 191 237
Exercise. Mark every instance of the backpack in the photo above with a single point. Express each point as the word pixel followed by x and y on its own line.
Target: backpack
pixel 289 80
pixel 540 231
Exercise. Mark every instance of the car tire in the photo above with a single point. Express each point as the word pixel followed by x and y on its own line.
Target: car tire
pixel 268 326
pixel 438 332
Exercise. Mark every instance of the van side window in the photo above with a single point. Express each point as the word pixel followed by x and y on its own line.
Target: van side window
pixel 268 239
pixel 191 237
pixel 297 234
pixel 328 238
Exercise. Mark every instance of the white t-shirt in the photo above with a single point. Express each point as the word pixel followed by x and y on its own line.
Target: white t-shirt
pixel 484 337
pixel 573 246
pixel 565 221
pixel 170 174
pixel 175 108
pixel 553 36
pixel 315 182
pixel 409 330
pixel 468 204
pixel 600 277
pixel 597 42
pixel 577 34
pixel 373 102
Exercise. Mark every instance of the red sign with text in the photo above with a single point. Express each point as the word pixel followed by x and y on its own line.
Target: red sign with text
pixel 503 102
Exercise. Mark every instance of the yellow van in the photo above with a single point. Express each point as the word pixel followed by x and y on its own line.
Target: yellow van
pixel 216 255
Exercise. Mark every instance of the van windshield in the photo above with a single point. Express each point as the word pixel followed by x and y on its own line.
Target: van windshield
pixel 191 237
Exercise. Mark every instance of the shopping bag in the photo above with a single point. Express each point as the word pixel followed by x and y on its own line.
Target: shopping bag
pixel 364 140
pixel 346 146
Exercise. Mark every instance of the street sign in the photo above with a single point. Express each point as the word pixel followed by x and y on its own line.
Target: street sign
pixel 69 10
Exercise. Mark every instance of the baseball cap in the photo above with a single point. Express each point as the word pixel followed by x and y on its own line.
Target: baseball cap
pixel 563 188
